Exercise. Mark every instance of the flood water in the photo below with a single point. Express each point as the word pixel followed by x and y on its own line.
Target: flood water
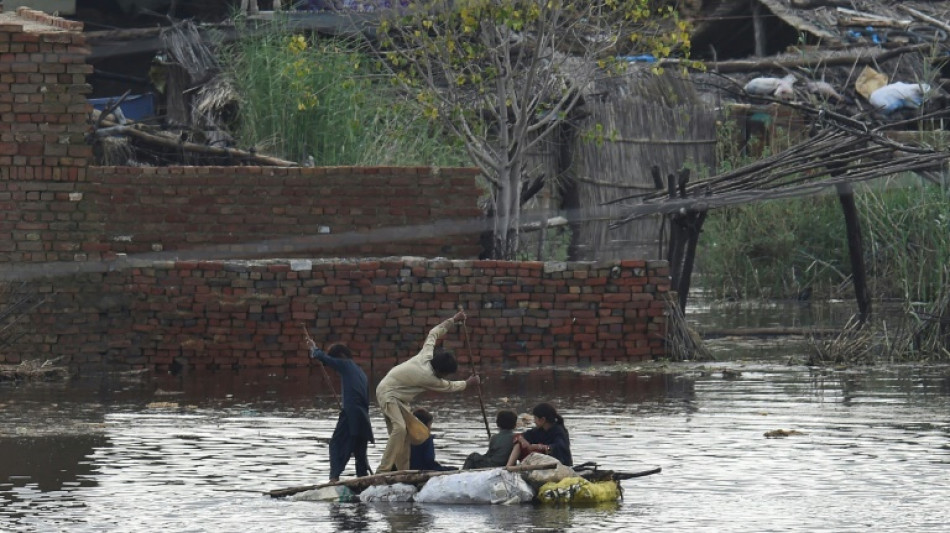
pixel 195 452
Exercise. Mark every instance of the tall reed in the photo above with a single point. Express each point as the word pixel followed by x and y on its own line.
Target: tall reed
pixel 776 249
pixel 907 225
pixel 304 97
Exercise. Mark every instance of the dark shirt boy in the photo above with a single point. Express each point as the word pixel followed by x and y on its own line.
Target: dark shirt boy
pixel 422 457
pixel 353 429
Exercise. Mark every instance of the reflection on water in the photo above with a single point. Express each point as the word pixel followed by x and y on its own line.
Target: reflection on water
pixel 195 454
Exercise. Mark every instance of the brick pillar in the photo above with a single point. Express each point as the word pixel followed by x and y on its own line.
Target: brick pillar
pixel 43 123
pixel 43 107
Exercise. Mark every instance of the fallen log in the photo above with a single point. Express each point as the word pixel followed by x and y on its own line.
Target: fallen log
pixel 613 475
pixel 34 370
pixel 749 65
pixel 618 476
pixel 411 477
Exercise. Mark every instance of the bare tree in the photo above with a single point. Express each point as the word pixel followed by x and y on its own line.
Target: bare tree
pixel 502 75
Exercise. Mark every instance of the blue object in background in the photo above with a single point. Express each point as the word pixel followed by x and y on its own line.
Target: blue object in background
pixel 134 107
pixel 867 32
pixel 642 58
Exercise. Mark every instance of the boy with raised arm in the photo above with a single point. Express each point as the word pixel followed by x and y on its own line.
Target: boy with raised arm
pixel 426 370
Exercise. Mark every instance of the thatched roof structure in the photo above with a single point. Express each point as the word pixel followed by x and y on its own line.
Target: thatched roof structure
pixel 651 122
pixel 841 152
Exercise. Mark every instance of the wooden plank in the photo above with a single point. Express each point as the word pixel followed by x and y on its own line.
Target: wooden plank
pixel 862 57
pixel 792 18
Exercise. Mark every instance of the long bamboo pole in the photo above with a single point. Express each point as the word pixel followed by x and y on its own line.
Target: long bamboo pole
pixel 326 377
pixel 478 386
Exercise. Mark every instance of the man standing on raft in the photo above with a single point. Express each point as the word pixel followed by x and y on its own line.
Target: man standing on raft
pixel 427 370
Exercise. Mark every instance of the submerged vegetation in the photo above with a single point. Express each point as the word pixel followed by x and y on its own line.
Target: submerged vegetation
pixel 304 97
pixel 795 248
pixel 798 249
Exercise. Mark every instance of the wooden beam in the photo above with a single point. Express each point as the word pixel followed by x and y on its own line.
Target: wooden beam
pixel 926 18
pixel 108 44
pixel 747 65
pixel 758 28
pixel 113 129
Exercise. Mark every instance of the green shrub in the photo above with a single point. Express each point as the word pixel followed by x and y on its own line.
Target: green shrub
pixel 305 97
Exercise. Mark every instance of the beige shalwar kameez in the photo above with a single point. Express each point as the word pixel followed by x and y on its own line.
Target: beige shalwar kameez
pixel 399 387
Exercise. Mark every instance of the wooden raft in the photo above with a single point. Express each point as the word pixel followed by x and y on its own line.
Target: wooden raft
pixel 412 477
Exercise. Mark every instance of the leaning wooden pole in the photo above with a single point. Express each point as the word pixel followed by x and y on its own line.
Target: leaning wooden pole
pixel 695 229
pixel 478 386
pixel 326 377
pixel 855 250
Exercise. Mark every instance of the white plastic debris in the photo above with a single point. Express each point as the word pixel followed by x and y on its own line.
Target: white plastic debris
pixel 338 493
pixel 397 492
pixel 823 89
pixel 767 86
pixel 898 95
pixel 496 486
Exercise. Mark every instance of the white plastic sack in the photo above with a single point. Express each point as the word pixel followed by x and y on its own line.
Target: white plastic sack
pixel 338 493
pixel 485 486
pixel 398 492
pixel 892 97
pixel 549 475
pixel 768 86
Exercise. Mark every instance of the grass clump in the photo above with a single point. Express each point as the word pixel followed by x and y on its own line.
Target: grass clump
pixel 776 249
pixel 303 97
pixel 908 237
pixel 908 258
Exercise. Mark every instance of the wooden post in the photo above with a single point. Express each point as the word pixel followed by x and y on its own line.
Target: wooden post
pixel 682 245
pixel 542 235
pixel 695 228
pixel 758 28
pixel 855 250
pixel 658 183
pixel 177 96
pixel 677 237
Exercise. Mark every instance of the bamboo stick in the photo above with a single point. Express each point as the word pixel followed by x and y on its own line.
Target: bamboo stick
pixel 402 476
pixel 167 142
pixel 925 17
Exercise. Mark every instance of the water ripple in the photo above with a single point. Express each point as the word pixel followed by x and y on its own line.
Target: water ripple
pixel 869 452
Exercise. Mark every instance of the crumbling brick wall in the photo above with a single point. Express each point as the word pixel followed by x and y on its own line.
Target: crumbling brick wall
pixel 58 208
pixel 230 314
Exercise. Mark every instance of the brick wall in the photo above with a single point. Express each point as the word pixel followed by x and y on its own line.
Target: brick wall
pixel 214 315
pixel 228 212
pixel 54 207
